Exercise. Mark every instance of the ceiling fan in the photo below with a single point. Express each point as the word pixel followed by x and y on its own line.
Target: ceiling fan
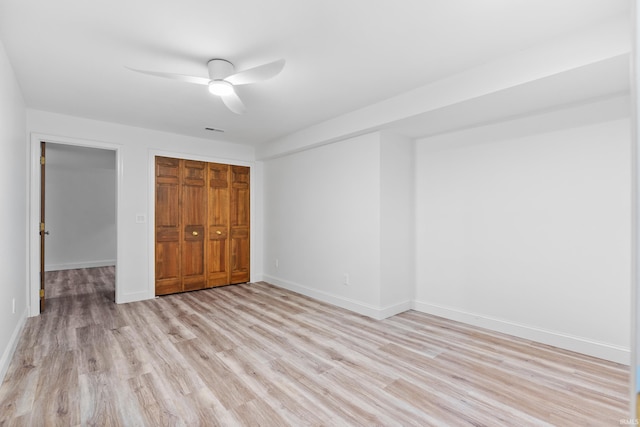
pixel 223 79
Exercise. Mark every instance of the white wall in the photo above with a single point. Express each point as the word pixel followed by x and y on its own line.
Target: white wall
pixel 527 230
pixel 80 207
pixel 13 186
pixel 343 209
pixel 397 243
pixel 136 148
pixel 322 219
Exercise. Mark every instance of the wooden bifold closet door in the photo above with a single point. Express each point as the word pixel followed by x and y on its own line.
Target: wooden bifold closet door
pixel 201 225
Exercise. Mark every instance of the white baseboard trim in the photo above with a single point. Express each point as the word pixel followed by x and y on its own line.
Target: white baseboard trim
pixel 133 297
pixel 377 313
pixel 11 346
pixel 394 309
pixel 582 345
pixel 75 265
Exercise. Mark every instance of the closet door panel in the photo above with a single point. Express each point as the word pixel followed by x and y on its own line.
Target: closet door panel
pixel 218 195
pixel 218 256
pixel 239 224
pixel 218 260
pixel 167 225
pixel 202 218
pixel 240 256
pixel 167 197
pixel 167 170
pixel 168 278
pixel 167 255
pixel 194 224
pixel 240 212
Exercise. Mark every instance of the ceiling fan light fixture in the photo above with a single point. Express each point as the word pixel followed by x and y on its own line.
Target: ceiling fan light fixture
pixel 220 87
pixel 223 79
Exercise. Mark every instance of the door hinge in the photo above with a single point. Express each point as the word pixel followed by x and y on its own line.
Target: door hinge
pixel 42 226
pixel 42 160
pixel 41 293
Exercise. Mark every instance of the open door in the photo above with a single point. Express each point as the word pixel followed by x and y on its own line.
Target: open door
pixel 43 233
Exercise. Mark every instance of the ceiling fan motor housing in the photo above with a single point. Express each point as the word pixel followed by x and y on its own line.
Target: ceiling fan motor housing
pixel 220 69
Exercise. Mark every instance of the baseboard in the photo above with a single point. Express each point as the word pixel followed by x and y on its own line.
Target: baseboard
pixel 133 297
pixel 11 346
pixel 392 310
pixel 75 265
pixel 581 345
pixel 339 301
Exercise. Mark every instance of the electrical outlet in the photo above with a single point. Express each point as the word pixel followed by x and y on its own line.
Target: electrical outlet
pixel 345 279
pixel 277 263
pixel 13 306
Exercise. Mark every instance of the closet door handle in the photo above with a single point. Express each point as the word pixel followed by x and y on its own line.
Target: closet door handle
pixel 218 232
pixel 195 233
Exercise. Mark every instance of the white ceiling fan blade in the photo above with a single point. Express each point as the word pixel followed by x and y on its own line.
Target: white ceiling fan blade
pixel 257 74
pixel 234 103
pixel 179 77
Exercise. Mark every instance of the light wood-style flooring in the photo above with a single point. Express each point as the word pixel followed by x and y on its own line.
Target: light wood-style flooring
pixel 258 355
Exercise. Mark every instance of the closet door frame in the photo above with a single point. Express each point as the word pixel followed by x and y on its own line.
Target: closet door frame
pixel 149 217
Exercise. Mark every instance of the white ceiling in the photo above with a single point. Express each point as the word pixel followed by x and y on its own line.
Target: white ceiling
pixel 70 55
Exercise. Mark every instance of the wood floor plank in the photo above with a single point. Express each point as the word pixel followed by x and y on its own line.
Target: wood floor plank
pixel 97 406
pixel 274 390
pixel 256 413
pixel 255 354
pixel 60 385
pixel 92 341
pixel 19 392
pixel 203 408
pixel 130 359
pixel 156 405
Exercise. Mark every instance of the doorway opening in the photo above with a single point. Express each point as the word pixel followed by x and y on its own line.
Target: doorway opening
pixel 79 195
pixel 73 220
